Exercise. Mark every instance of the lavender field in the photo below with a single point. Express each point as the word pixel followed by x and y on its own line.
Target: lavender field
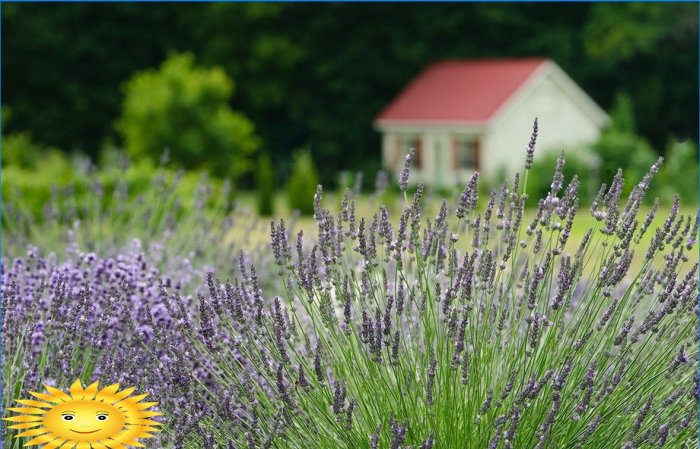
pixel 419 322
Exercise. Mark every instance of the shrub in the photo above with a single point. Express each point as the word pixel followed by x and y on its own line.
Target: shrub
pixel 474 329
pixel 95 318
pixel 619 146
pixel 478 328
pixel 619 149
pixel 104 210
pixel 265 185
pixel 28 173
pixel 540 177
pixel 679 173
pixel 302 183
pixel 185 109
pixel 19 151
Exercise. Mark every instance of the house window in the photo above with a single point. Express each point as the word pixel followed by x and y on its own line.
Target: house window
pixel 466 149
pixel 405 143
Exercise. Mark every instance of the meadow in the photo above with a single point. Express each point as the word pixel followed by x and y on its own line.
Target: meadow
pixel 385 320
pixel 257 232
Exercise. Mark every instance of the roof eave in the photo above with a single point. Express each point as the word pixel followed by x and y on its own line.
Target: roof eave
pixel 385 125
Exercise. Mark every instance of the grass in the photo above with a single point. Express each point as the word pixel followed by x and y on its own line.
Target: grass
pixel 257 231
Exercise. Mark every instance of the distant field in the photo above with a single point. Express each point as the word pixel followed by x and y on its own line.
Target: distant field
pixel 259 227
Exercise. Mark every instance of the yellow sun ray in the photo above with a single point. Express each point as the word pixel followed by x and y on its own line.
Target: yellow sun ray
pixel 142 428
pixel 147 422
pixel 87 418
pixel 24 425
pixel 150 414
pixel 145 405
pixel 32 403
pixel 43 439
pixel 124 393
pixel 76 390
pixel 138 398
pixel 46 397
pixel 58 394
pixel 91 390
pixel 54 444
pixel 32 432
pixel 27 410
pixel 23 418
pixel 114 444
pixel 106 391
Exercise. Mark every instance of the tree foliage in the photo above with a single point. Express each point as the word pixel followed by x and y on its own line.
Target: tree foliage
pixel 184 109
pixel 320 74
pixel 62 65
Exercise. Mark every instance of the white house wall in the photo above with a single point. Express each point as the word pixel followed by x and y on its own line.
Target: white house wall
pixel 562 125
pixel 437 166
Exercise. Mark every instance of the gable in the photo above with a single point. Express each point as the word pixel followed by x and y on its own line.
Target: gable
pixel 562 89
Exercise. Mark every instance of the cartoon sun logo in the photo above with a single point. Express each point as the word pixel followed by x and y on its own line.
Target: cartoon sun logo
pixel 88 418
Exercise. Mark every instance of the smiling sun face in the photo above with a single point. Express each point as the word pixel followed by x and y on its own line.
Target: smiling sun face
pixel 85 419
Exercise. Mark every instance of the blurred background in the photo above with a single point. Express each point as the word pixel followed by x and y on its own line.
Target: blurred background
pixel 275 98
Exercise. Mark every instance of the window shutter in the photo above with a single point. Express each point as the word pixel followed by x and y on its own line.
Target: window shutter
pixel 419 153
pixel 477 154
pixel 455 153
pixel 396 155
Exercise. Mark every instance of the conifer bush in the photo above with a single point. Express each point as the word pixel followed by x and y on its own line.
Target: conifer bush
pixel 302 182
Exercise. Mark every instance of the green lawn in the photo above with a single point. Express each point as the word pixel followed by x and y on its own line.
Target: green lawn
pixel 259 227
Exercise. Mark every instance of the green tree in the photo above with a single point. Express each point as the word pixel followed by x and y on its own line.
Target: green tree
pixel 265 185
pixel 62 77
pixel 646 46
pixel 184 108
pixel 310 73
pixel 302 183
pixel 620 147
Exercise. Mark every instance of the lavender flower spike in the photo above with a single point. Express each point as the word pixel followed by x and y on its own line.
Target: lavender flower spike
pixel 403 181
pixel 530 149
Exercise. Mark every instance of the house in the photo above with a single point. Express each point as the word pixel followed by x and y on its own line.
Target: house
pixel 477 115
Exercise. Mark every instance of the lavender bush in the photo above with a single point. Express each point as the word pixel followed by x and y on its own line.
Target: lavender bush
pixel 475 328
pixel 94 318
pixel 83 288
pixel 175 216
pixel 472 329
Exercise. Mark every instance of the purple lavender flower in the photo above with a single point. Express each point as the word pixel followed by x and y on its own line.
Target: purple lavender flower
pixel 403 181
pixel 374 441
pixel 558 178
pixel 530 149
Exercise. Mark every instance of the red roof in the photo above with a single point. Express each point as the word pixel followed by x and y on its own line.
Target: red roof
pixel 460 91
